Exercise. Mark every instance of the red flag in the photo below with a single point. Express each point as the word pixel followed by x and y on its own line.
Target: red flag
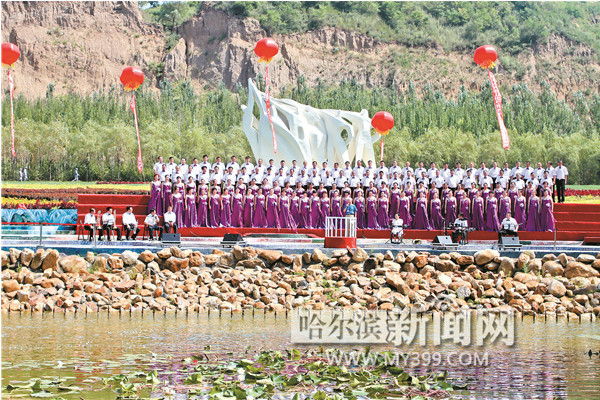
pixel 140 164
pixel 498 106
pixel 268 104
pixel 11 86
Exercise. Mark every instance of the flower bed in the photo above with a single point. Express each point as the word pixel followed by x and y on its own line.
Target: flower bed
pixel 582 192
pixel 64 195
pixel 31 204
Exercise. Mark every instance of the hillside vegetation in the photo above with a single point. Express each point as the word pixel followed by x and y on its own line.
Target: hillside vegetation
pixel 456 26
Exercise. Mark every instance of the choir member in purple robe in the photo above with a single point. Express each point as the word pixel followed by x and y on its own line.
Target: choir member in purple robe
pixel 249 209
pixel 504 205
pixel 521 211
pixel 465 210
pixel 451 204
pixel 477 218
pixel 260 209
pixel 189 220
pixel 237 209
pixel 473 192
pixel 436 218
pixel 533 214
pixel 273 210
pixel 404 209
pixel 499 193
pixel 421 220
pixel 295 207
pixel 325 209
pixel 286 219
pixel 492 224
pixel 383 212
pixel 202 211
pixel 315 211
pixel 547 214
pixel 336 204
pixel 155 196
pixel 305 221
pixel 167 195
pixel 359 202
pixel 395 200
pixel 178 204
pixel 460 194
pixel 485 193
pixel 410 194
pixel 346 201
pixel 214 208
pixel 372 211
pixel 513 193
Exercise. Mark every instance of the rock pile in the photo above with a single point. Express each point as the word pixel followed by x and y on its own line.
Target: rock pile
pixel 267 279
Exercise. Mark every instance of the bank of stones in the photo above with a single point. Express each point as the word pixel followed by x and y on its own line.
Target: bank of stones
pixel 246 278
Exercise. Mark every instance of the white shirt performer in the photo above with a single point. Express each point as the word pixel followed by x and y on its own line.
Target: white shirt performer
pixel 508 227
pixel 89 223
pixel 397 227
pixel 560 174
pixel 130 224
pixel 170 220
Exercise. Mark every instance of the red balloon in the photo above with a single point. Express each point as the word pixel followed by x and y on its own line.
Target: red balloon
pixel 10 54
pixel 266 49
pixel 132 78
pixel 382 121
pixel 485 56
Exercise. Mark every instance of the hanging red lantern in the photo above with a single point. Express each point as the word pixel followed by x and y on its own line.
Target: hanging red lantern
pixel 266 49
pixel 383 121
pixel 132 78
pixel 10 54
pixel 485 56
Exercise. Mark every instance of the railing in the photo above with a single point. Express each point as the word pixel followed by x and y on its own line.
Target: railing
pixel 343 227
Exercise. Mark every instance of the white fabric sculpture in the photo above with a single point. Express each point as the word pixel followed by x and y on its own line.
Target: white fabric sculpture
pixel 305 133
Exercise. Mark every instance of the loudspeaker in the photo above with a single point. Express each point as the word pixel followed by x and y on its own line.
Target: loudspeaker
pixel 232 237
pixel 510 241
pixel 171 237
pixel 443 240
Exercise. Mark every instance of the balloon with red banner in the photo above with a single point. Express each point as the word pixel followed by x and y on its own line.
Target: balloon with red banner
pixel 132 78
pixel 382 122
pixel 486 56
pixel 10 55
pixel 266 49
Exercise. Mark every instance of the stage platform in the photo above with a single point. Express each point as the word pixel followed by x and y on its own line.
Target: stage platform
pixel 574 222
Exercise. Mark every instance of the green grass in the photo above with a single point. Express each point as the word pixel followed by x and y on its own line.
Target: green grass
pixel 583 187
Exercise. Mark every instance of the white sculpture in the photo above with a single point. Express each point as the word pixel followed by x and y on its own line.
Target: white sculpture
pixel 305 133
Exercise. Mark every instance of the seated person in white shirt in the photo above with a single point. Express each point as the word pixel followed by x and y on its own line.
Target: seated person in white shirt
pixel 397 228
pixel 109 224
pixel 170 221
pixel 152 225
pixel 460 227
pixel 90 222
pixel 508 227
pixel 130 224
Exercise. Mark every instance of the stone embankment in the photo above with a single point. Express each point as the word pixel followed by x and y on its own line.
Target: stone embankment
pixel 245 278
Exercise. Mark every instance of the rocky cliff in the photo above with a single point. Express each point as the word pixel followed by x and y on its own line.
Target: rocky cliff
pixel 82 47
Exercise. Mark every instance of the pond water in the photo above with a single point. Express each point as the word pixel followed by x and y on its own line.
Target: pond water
pixel 548 360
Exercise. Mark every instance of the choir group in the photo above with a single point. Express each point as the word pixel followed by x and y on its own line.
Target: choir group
pixel 268 196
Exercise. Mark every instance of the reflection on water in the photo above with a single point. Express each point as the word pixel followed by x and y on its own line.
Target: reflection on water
pixel 548 360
